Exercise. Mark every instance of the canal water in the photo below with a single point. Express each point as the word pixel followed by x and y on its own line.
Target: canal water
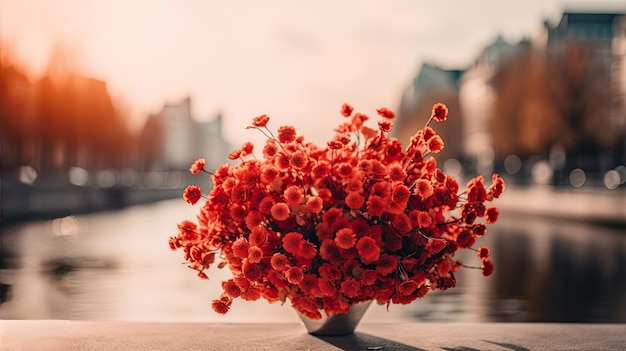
pixel 118 266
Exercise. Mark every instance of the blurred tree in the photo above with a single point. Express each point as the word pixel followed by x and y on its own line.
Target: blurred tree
pixel 61 120
pixel 555 96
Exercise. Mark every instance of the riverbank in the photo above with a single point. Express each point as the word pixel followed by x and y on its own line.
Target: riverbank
pixel 593 205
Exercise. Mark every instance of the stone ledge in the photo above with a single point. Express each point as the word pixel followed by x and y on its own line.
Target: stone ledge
pixel 135 336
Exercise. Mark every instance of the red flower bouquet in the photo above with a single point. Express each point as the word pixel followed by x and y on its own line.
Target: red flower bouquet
pixel 359 219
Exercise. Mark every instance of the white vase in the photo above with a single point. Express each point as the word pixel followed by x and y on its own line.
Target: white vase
pixel 336 324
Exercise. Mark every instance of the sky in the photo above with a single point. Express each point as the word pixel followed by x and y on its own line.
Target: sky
pixel 296 61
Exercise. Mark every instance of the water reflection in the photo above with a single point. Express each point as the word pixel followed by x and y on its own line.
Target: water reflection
pixel 117 266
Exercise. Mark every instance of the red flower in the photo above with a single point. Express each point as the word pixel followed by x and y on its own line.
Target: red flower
pixel 292 242
pixel 387 264
pixel 247 148
pixel 286 134
pixel 192 194
pixel 294 275
pixel 354 200
pixel 385 126
pixel 315 204
pixel 231 289
pixel 197 166
pixel 327 287
pixel 299 160
pixel 260 121
pixel 483 252
pixel 240 248
pixel 375 206
pixel 400 194
pixel 346 110
pixel 279 262
pixel 306 250
pixel 487 268
pixel 221 306
pixel 407 287
pixel 396 173
pixel 435 144
pixel 424 189
pixel 497 186
pixel 491 214
pixel 345 238
pixel 280 211
pixel 270 149
pixel 440 112
pixel 386 113
pixel 293 195
pixel 367 248
pixel 258 236
pixel 369 277
pixel 251 271
pixel 350 288
pixel 255 254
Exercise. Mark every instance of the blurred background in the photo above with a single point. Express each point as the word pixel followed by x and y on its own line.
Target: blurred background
pixel 105 104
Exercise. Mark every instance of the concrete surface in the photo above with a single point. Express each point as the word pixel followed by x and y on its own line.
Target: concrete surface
pixel 94 336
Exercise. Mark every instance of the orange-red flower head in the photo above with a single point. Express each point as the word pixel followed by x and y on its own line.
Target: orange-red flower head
pixel 440 112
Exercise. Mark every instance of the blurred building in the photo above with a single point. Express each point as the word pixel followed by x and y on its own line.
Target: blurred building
pixel 179 138
pixel 606 34
pixel 477 98
pixel 431 85
pixel 559 97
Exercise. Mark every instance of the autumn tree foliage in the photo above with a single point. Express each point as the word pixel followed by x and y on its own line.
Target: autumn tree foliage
pixel 60 120
pixel 557 96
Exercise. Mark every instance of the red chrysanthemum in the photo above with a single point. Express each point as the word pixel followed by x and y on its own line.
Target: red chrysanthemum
pixel 385 126
pixel 315 204
pixel 231 289
pixel 368 249
pixel 396 173
pixel 260 121
pixel 491 214
pixel 355 200
pixel 192 194
pixel 279 262
pixel 424 188
pixel 270 149
pixel 350 288
pixel 293 195
pixel 255 254
pixel 435 144
pixel 197 166
pixel 251 271
pixel 240 248
pixel 299 160
pixel 407 287
pixel 387 264
pixel 487 268
pixel 400 194
pixel 440 112
pixel 286 134
pixel 345 238
pixel 483 252
pixel 280 211
pixel 346 110
pixel 294 275
pixel 221 306
pixel 375 206
pixel 291 242
pixel 386 113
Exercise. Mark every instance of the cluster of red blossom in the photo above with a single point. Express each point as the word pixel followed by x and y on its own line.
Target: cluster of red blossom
pixel 326 227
